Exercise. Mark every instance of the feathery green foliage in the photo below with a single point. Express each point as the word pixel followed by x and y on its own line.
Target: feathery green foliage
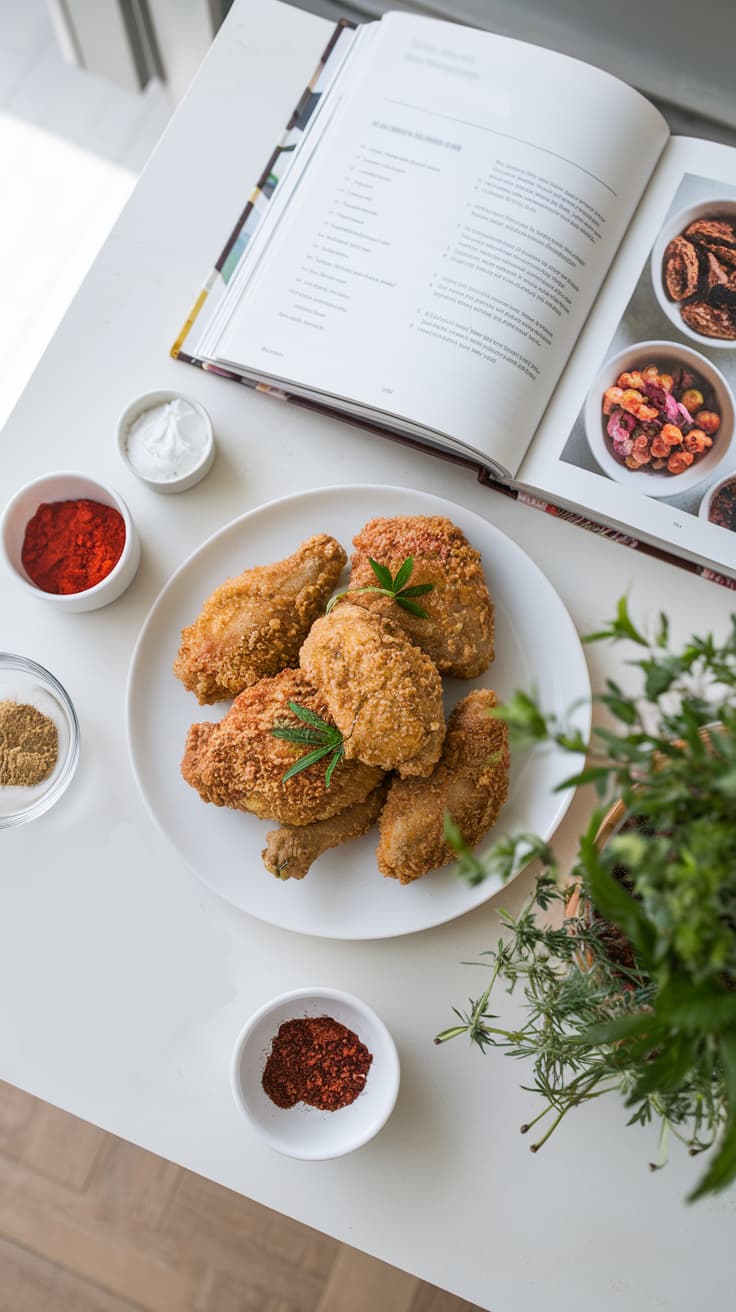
pixel 635 992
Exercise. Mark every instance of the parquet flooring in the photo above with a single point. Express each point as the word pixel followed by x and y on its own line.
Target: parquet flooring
pixel 90 1223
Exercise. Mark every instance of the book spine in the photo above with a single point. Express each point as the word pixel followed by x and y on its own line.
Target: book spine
pixel 234 247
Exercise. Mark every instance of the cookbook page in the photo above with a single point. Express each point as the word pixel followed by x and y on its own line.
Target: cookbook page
pixel 641 430
pixel 443 244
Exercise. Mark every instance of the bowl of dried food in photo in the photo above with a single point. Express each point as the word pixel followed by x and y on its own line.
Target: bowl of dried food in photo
pixel 719 503
pixel 694 272
pixel 659 418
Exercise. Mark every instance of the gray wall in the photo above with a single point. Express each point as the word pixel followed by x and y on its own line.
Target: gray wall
pixel 678 51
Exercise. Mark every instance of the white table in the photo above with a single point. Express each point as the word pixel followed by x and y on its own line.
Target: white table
pixel 123 982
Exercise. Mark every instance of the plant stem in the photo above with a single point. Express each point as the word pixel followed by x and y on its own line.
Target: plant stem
pixel 529 1125
pixel 662 1154
pixel 584 1096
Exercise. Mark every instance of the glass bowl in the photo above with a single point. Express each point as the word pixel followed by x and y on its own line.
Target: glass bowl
pixel 23 680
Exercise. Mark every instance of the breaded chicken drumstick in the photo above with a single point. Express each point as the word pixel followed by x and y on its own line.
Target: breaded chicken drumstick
pixel 457 633
pixel 241 764
pixel 471 782
pixel 291 851
pixel 382 692
pixel 253 625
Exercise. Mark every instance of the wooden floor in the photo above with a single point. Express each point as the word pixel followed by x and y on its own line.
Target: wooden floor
pixel 89 1223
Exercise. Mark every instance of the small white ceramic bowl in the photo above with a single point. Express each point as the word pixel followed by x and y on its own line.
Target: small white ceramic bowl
pixel 303 1131
pixel 652 483
pixel 706 503
pixel 147 402
pixel 68 487
pixel 710 209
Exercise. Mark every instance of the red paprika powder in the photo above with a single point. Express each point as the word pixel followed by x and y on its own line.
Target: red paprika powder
pixel 318 1061
pixel 70 546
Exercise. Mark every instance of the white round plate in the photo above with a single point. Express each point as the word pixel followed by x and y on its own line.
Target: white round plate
pixel 344 896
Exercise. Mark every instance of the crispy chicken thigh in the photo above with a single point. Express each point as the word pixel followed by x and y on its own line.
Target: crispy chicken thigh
pixel 291 851
pixel 471 782
pixel 458 633
pixel 253 625
pixel 383 693
pixel 240 764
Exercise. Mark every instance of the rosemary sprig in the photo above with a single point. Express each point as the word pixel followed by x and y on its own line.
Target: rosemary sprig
pixel 393 587
pixel 314 732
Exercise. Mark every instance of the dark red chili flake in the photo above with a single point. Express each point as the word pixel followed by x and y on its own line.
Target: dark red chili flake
pixel 318 1061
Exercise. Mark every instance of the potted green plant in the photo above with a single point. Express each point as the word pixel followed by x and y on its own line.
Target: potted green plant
pixel 627 965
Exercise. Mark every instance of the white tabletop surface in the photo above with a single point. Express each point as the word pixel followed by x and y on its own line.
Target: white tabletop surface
pixel 124 982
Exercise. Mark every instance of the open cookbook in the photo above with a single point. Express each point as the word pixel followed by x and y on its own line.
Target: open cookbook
pixel 499 254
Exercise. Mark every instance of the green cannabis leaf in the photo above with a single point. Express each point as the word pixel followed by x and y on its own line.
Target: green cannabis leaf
pixel 393 587
pixel 314 732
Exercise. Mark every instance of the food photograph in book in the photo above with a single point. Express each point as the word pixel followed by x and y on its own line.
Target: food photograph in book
pixel 659 417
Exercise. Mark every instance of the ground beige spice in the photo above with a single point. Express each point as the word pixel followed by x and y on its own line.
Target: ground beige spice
pixel 29 745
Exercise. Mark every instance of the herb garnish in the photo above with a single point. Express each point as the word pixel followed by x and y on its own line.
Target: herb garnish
pixel 315 732
pixel 393 587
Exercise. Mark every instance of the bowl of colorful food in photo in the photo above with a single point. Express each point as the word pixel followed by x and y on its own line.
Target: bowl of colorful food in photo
pixel 694 272
pixel 659 418
pixel 719 503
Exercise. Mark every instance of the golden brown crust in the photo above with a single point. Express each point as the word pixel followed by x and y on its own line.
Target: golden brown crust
pixel 383 693
pixel 458 633
pixel 253 625
pixel 291 850
pixel 238 763
pixel 471 782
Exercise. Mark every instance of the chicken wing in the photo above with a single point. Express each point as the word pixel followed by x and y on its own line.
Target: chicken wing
pixel 239 763
pixel 383 693
pixel 458 631
pixel 471 782
pixel 290 851
pixel 253 625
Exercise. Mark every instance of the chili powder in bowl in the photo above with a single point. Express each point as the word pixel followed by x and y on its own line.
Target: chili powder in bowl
pixel 70 539
pixel 316 1073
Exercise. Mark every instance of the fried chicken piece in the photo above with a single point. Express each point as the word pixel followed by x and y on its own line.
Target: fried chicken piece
pixel 290 851
pixel 240 764
pixel 253 625
pixel 458 633
pixel 471 782
pixel 383 693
